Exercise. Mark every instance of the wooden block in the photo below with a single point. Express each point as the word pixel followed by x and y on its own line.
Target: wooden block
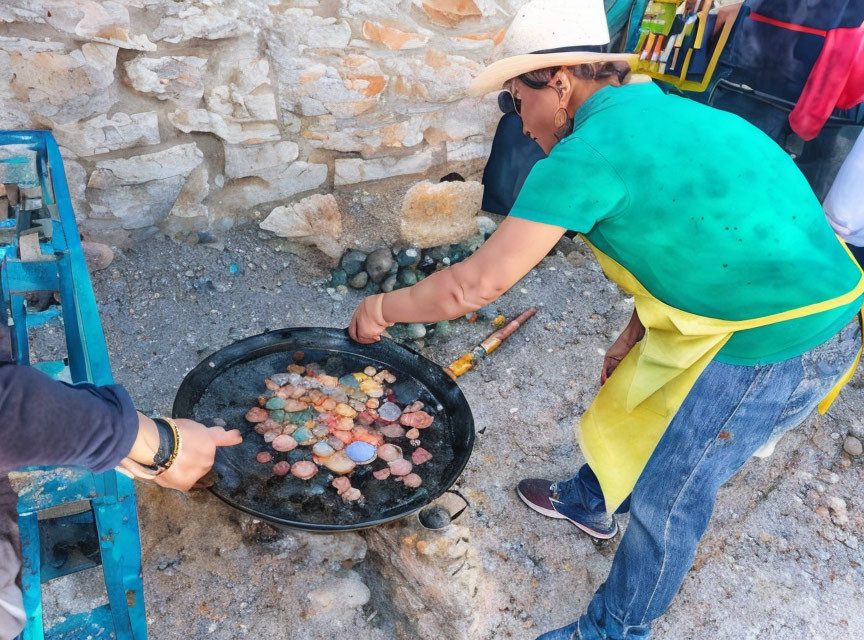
pixel 12 193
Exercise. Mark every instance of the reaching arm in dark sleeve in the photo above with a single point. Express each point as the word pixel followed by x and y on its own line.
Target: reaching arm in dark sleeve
pixel 45 422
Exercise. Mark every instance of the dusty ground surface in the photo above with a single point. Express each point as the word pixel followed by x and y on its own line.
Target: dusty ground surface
pixel 779 560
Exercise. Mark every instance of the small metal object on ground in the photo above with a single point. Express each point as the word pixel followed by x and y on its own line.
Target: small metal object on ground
pixel 493 341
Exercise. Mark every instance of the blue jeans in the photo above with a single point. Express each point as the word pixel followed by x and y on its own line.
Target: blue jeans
pixel 730 412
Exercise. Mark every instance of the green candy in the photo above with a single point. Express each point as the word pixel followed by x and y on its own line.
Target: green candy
pixel 277 415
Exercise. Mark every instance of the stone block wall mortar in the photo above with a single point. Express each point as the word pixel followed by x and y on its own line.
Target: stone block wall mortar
pixel 195 115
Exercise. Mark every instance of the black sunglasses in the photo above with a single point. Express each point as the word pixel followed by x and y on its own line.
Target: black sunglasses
pixel 507 102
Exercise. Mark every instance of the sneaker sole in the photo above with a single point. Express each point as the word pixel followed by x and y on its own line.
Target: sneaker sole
pixel 551 513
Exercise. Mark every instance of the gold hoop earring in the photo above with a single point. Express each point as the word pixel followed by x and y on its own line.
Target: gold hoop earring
pixel 561 117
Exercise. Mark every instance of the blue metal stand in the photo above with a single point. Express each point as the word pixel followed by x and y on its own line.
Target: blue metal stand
pixel 103 528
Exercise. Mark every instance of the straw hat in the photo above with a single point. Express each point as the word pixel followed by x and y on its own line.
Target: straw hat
pixel 549 33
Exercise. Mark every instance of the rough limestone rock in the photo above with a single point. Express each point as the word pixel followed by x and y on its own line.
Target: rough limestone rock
pixel 244 92
pixel 102 134
pixel 243 195
pixel 393 35
pixel 337 550
pixel 264 160
pixel 229 130
pixel 189 203
pixel 140 191
pixel 207 23
pixel 368 139
pixel 437 77
pixel 450 12
pixel 104 21
pixel 433 581
pixel 345 86
pixel 176 78
pixel 76 178
pixel 64 87
pixel 466 150
pixel 354 170
pixel 443 213
pixel 338 597
pixel 462 119
pixel 301 29
pixel 315 220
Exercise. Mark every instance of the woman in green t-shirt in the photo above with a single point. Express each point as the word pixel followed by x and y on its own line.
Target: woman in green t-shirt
pixel 748 297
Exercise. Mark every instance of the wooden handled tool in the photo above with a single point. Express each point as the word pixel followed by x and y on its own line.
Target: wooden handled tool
pixel 466 361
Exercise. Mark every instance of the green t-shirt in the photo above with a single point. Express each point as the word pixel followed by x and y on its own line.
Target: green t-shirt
pixel 704 209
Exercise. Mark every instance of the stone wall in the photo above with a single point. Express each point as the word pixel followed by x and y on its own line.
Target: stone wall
pixel 193 115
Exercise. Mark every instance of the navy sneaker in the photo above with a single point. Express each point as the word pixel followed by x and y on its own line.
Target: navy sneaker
pixel 538 494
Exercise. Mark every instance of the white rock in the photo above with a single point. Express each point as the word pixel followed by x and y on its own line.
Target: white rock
pixel 23 45
pixel 76 179
pixel 460 120
pixel 171 162
pixel 140 191
pixel 315 220
pixel 300 29
pixel 338 597
pixel 354 170
pixel 312 86
pixel 21 11
pixel 334 549
pixel 60 86
pixel 249 192
pixel 468 150
pixel 178 78
pixel 212 23
pixel 438 77
pixel 104 21
pixel 486 226
pixel 367 138
pixel 102 134
pixel 189 203
pixel 264 160
pixel 229 130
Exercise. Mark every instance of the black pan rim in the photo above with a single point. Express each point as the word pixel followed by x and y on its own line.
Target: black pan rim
pixel 244 349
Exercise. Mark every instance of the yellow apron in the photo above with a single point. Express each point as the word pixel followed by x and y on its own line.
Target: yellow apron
pixel 625 422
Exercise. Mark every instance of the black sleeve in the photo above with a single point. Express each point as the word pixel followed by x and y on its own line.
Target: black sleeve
pixel 51 423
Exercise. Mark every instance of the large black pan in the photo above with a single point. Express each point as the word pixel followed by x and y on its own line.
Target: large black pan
pixel 226 385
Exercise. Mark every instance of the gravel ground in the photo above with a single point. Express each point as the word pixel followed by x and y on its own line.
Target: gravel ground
pixel 781 559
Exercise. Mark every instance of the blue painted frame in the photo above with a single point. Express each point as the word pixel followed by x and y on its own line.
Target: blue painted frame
pixel 111 495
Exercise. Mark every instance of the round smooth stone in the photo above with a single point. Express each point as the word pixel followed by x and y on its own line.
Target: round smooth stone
pixel 408 257
pixel 302 435
pixel 416 330
pixel 407 277
pixel 378 264
pixel 352 262
pixel 275 403
pixel 359 280
pixel 389 284
pixel 322 449
pixel 361 452
pixel 389 411
pixel 443 329
pixel 338 277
